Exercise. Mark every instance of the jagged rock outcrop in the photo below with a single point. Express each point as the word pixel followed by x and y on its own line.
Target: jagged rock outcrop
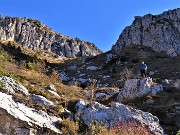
pixel 137 88
pixel 11 86
pixel 35 35
pixel 18 119
pixel 161 32
pixel 109 116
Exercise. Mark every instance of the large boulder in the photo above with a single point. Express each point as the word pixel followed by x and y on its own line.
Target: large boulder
pixel 18 119
pixel 11 86
pixel 110 116
pixel 137 88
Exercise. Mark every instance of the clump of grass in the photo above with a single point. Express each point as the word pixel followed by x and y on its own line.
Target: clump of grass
pixel 38 91
pixel 68 127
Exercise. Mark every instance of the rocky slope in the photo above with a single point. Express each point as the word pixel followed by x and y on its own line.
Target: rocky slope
pixel 19 117
pixel 35 35
pixel 161 32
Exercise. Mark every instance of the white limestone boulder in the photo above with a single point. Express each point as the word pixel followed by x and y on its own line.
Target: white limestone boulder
pixel 109 116
pixel 18 115
pixel 11 86
pixel 137 88
pixel 41 100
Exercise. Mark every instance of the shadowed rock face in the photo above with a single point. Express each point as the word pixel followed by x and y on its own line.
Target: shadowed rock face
pixel 161 32
pixel 35 35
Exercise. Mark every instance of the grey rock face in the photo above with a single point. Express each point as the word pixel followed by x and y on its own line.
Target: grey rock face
pixel 35 35
pixel 160 32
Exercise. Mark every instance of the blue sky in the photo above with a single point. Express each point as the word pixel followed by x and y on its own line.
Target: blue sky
pixel 97 21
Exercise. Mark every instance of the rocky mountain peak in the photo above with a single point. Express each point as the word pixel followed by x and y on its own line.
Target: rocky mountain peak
pixel 160 32
pixel 33 34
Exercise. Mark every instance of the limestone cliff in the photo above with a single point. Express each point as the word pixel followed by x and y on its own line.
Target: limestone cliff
pixel 35 35
pixel 161 32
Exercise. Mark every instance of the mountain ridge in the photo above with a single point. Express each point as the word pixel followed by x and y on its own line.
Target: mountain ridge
pixel 33 34
pixel 160 32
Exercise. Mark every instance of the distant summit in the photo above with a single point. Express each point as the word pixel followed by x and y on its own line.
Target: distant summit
pixel 160 32
pixel 35 35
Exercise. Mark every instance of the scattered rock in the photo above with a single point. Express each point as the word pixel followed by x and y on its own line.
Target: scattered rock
pixel 166 81
pixel 151 73
pixel 64 76
pixel 100 95
pixel 107 76
pixel 150 101
pixel 41 100
pixel 51 87
pixel 54 93
pixel 72 67
pixel 92 68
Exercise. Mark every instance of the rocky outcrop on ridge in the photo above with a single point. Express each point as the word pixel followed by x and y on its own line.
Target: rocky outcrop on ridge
pixel 161 32
pixel 109 116
pixel 35 35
